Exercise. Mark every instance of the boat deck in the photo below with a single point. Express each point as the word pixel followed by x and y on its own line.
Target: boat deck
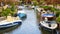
pixel 11 20
pixel 53 24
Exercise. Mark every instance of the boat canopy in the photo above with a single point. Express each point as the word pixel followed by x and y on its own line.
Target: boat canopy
pixel 48 15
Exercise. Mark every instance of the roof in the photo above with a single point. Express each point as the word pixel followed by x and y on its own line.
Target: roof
pixel 47 15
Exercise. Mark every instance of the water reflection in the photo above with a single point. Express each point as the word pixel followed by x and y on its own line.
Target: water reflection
pixel 6 30
pixel 45 31
pixel 29 25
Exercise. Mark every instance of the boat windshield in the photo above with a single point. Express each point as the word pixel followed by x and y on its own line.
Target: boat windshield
pixel 50 22
pixel 50 19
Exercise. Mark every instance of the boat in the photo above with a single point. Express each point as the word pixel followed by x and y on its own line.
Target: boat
pixel 21 13
pixel 20 7
pixel 30 7
pixel 10 21
pixel 48 22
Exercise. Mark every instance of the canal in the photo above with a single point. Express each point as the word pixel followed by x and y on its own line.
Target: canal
pixel 29 26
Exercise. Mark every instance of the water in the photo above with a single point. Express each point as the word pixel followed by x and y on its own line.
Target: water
pixel 29 26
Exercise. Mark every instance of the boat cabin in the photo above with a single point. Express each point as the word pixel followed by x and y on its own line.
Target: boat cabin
pixel 48 17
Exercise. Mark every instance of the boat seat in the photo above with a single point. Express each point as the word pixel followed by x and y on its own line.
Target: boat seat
pixel 9 18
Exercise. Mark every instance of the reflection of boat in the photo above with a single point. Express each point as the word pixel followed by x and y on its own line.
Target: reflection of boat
pixel 10 21
pixel 48 21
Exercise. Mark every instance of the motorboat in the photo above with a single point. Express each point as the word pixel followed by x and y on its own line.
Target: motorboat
pixel 10 21
pixel 48 22
pixel 21 13
pixel 30 7
pixel 20 7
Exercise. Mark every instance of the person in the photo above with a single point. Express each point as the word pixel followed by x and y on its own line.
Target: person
pixel 46 19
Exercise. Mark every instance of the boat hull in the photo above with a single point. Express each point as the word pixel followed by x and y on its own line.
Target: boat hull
pixel 10 24
pixel 45 28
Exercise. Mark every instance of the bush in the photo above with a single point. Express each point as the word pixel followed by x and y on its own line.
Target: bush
pixel 57 13
pixel 5 12
pixel 49 8
pixel 35 3
pixel 52 9
pixel 8 11
pixel 58 19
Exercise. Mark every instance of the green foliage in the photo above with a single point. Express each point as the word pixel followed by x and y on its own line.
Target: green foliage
pixel 58 19
pixel 12 7
pixel 52 9
pixel 8 11
pixel 57 13
pixel 5 12
pixel 35 3
pixel 46 7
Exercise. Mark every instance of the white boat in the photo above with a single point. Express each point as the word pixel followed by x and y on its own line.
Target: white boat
pixel 32 7
pixel 49 25
pixel 48 22
pixel 22 7
pixel 10 21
